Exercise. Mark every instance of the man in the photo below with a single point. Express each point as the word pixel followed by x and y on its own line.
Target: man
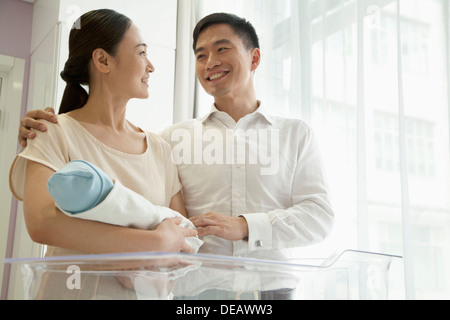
pixel 252 183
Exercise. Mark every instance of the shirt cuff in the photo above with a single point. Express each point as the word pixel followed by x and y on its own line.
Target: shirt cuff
pixel 259 231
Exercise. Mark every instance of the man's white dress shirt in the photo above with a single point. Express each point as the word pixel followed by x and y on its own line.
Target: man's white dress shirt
pixel 264 168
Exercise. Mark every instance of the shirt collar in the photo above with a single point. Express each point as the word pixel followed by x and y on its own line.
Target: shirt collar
pixel 261 111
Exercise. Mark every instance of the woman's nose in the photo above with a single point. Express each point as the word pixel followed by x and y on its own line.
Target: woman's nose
pixel 150 67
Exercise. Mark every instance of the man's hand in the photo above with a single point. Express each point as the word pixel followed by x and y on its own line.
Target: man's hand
pixel 30 121
pixel 220 225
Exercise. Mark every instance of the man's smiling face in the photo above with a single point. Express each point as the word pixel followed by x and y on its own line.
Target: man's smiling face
pixel 223 65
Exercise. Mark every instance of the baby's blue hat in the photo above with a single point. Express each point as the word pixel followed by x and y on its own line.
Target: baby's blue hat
pixel 79 186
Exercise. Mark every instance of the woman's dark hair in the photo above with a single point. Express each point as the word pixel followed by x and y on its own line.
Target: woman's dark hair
pixel 103 29
pixel 241 27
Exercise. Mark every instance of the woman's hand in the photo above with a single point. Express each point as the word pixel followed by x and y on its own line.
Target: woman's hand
pixel 172 236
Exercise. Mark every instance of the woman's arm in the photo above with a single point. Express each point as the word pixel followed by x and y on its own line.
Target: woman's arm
pixel 177 204
pixel 47 225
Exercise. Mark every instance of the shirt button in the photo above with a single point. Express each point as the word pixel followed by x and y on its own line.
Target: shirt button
pixel 259 243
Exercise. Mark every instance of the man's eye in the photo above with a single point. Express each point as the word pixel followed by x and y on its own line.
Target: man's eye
pixel 144 53
pixel 200 56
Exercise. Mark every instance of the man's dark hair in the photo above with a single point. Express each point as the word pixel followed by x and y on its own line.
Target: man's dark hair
pixel 241 27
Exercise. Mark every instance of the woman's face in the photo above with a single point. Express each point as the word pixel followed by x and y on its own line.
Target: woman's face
pixel 130 70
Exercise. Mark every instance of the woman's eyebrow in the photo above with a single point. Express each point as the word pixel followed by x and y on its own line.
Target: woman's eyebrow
pixel 141 45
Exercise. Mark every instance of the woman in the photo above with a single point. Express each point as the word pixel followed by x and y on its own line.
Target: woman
pixel 107 54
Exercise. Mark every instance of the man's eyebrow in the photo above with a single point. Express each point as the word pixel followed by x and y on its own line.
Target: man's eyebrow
pixel 218 42
pixel 197 50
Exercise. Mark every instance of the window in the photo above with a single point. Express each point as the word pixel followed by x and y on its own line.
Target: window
pixel 320 63
pixel 420 147
pixel 420 144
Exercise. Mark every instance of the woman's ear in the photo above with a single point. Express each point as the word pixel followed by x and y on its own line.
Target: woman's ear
pixel 101 60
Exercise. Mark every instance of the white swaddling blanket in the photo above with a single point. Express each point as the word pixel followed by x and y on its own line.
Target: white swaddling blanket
pixel 126 208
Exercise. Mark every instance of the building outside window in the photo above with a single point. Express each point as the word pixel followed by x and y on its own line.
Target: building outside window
pixel 343 67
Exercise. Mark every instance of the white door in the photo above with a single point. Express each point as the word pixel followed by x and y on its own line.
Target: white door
pixel 5 199
pixel 11 83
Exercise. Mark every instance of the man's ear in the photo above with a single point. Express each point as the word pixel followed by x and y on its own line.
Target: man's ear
pixel 101 60
pixel 256 58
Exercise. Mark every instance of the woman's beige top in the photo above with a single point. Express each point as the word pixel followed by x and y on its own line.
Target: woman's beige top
pixel 151 174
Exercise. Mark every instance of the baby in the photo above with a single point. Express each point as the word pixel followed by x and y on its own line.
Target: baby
pixel 82 190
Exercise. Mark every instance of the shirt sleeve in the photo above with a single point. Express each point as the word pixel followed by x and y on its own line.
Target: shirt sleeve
pixel 47 148
pixel 311 216
pixel 259 231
